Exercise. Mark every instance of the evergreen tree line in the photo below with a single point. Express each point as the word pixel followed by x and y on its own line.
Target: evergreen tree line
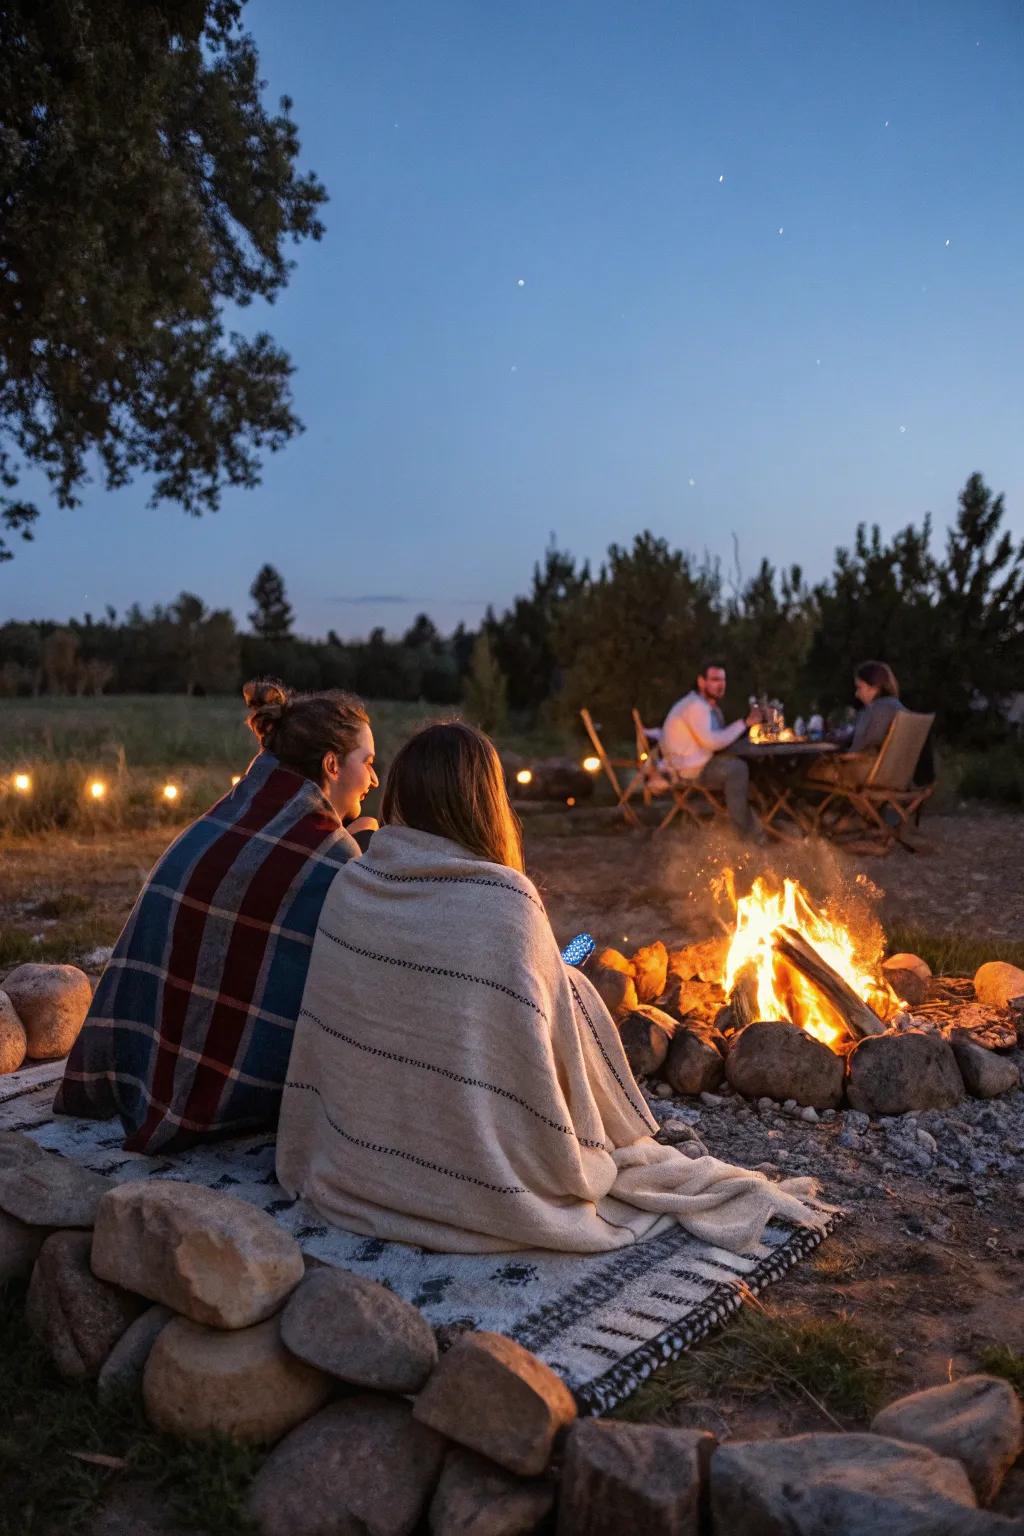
pixel 950 621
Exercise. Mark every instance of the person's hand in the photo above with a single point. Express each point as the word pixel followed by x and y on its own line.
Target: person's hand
pixel 755 717
pixel 363 824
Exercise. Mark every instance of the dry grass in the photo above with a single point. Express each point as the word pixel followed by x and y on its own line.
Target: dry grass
pixel 952 954
pixel 831 1363
pixel 46 1488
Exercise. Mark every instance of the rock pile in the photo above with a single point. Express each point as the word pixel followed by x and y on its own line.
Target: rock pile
pixel 42 1009
pixel 205 1306
pixel 677 1027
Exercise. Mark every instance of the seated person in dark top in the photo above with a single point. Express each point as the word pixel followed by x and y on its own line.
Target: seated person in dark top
pixel 878 693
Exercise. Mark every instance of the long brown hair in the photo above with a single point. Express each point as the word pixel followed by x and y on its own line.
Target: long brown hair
pixel 301 728
pixel 447 779
pixel 878 674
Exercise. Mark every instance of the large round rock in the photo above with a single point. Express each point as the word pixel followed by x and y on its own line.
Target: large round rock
pixel 75 1316
pixel 245 1384
pixel 13 1040
pixel 645 1033
pixel 359 1331
pixel 694 1065
pixel 52 1002
pixel 218 1260
pixel 998 983
pixel 894 1074
pixel 776 1060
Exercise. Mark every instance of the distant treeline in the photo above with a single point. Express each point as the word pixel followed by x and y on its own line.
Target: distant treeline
pixel 951 624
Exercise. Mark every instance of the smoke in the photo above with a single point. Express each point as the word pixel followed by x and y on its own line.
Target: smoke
pixel 703 875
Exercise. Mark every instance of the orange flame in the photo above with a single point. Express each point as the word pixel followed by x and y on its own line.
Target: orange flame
pixel 781 992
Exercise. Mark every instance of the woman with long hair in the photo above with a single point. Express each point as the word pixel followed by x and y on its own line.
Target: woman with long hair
pixel 453 1083
pixel 189 1032
pixel 878 693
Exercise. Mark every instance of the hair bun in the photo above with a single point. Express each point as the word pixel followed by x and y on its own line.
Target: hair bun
pixel 267 699
pixel 260 692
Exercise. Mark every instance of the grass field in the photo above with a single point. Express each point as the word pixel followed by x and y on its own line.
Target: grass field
pixel 135 745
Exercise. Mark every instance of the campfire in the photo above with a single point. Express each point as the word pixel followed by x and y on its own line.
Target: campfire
pixel 794 1002
pixel 789 960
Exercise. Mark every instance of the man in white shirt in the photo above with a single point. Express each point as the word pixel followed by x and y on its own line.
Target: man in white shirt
pixel 695 741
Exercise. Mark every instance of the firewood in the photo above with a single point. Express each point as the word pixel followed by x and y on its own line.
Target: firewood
pixel 616 989
pixel 855 1015
pixel 743 999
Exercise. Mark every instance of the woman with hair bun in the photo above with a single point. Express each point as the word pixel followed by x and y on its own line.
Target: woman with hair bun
pixel 189 1033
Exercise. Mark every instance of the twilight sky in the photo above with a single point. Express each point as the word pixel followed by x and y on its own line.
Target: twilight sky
pixel 713 268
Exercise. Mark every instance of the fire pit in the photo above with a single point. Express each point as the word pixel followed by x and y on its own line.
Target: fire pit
pixel 793 1004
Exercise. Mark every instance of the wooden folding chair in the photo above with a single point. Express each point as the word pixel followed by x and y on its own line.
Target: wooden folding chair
pixel 622 796
pixel 849 811
pixel 656 779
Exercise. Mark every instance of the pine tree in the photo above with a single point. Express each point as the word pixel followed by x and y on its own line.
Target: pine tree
pixel 486 696
pixel 271 619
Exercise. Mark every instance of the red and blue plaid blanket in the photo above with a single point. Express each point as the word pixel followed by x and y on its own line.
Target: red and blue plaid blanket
pixel 190 1030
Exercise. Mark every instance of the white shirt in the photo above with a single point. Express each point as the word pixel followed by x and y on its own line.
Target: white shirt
pixel 693 732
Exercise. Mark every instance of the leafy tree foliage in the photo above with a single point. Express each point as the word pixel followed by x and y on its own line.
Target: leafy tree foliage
pixel 143 187
pixel 271 618
pixel 636 633
pixel 486 700
pixel 980 600
pixel 951 624
pixel 523 639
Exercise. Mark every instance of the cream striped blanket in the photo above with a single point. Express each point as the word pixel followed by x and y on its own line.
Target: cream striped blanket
pixel 453 1084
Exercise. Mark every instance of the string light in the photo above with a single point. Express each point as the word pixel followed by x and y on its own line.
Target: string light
pixel 23 783
pixel 236 778
pixel 97 789
pixel 170 792
pixel 592 764
pixel 524 776
pixel 570 799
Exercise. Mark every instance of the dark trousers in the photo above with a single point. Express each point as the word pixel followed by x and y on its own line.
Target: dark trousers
pixel 730 776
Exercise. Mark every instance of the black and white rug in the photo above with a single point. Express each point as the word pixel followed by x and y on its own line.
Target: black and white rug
pixel 604 1323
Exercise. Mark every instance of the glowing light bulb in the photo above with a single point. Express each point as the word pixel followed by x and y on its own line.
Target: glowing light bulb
pixel 170 792
pixel 592 764
pixel 524 776
pixel 97 789
pixel 236 778
pixel 570 799
pixel 23 783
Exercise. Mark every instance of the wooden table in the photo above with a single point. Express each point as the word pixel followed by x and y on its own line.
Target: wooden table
pixel 777 770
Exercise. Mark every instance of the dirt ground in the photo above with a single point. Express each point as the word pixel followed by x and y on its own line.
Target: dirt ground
pixel 930 1261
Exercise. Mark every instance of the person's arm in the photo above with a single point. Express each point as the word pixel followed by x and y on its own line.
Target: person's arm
pixel 698 718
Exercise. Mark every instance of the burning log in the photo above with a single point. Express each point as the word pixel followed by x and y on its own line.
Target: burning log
pixel 858 1019
pixel 743 998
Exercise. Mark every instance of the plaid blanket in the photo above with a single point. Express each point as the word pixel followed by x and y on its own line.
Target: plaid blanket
pixel 190 1030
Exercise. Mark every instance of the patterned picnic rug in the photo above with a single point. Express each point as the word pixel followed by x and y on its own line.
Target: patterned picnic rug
pixel 604 1323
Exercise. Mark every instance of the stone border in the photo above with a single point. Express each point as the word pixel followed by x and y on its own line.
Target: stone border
pixel 202 1304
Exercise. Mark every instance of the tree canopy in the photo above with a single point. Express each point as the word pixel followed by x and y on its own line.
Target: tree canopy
pixel 143 188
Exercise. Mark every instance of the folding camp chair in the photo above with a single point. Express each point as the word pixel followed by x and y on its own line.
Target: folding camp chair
pixel 622 796
pixel 886 800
